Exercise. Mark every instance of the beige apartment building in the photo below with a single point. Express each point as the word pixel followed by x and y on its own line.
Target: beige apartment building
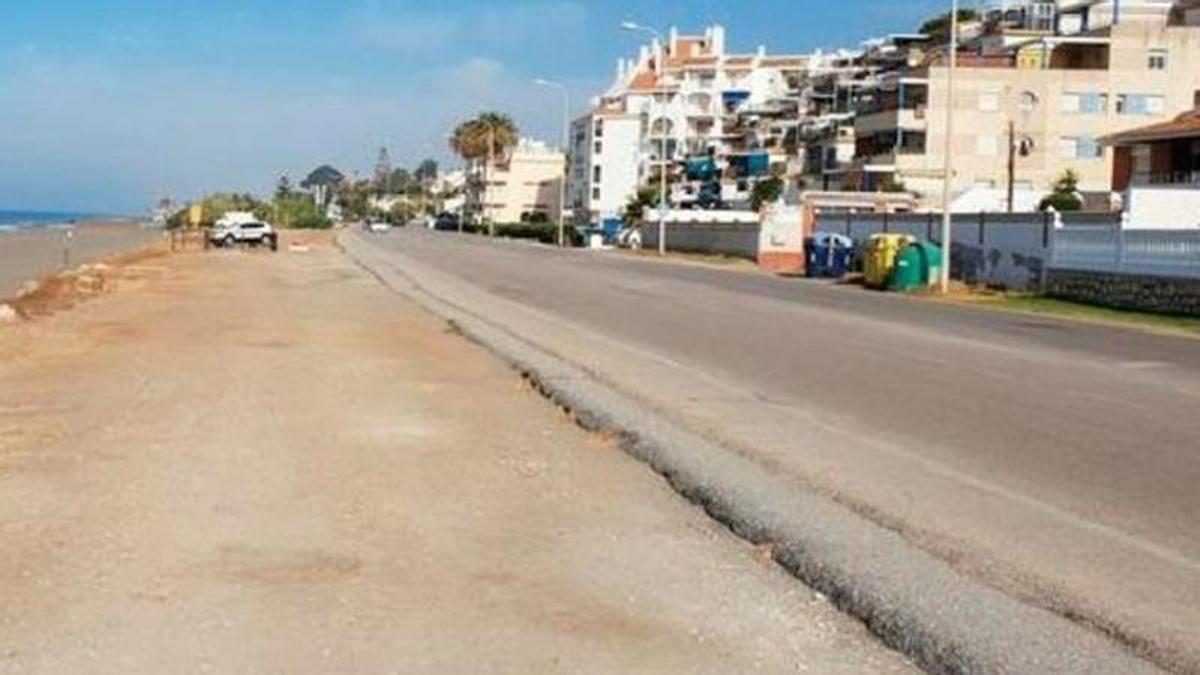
pixel 525 182
pixel 1047 94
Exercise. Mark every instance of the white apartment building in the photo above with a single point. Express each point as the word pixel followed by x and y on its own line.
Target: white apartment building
pixel 697 99
pixel 524 182
pixel 606 152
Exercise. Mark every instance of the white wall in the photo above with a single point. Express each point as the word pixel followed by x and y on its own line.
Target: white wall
pixel 618 162
pixel 1163 207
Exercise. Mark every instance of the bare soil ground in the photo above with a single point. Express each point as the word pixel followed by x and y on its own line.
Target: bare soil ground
pixel 252 462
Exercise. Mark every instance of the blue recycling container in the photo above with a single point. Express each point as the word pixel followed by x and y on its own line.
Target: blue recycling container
pixel 829 255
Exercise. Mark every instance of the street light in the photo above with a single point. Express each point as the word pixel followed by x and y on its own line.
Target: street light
pixel 947 169
pixel 662 196
pixel 566 139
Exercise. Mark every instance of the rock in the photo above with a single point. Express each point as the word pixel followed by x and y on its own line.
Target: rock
pixel 8 314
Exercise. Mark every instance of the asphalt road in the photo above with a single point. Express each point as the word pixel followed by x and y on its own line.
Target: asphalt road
pixel 1057 461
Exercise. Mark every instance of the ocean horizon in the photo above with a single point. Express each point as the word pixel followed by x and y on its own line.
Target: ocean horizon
pixel 19 220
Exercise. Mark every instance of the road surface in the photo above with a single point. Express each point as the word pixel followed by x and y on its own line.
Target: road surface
pixel 1059 462
pixel 244 462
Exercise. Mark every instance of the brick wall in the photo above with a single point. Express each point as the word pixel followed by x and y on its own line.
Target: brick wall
pixel 1164 295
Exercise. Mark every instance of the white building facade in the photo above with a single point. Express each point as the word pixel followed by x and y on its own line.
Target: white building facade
pixel 686 98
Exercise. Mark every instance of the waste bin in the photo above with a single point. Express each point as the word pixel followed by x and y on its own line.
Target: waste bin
pixel 841 255
pixel 816 253
pixel 880 257
pixel 918 266
pixel 828 255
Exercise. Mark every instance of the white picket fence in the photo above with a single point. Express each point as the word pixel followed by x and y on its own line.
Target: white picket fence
pixel 1169 253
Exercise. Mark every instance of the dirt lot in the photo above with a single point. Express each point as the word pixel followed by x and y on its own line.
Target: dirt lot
pixel 251 462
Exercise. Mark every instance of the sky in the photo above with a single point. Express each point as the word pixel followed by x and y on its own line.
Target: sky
pixel 108 105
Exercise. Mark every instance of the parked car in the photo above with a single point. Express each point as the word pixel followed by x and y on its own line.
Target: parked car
pixel 252 232
pixel 377 226
pixel 446 221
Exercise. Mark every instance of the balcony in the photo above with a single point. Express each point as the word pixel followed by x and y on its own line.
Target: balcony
pixel 909 119
pixel 1181 179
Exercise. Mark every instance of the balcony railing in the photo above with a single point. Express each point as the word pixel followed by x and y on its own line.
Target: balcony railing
pixel 1177 178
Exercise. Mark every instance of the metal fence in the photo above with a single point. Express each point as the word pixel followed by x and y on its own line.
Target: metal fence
pixel 1010 250
pixel 1171 253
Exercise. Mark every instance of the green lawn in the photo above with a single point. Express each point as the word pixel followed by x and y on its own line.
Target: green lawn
pixel 1035 304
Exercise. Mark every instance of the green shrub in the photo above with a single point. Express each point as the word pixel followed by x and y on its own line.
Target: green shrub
pixel 547 233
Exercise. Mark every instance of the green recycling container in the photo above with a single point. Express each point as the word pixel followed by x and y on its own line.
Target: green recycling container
pixel 918 266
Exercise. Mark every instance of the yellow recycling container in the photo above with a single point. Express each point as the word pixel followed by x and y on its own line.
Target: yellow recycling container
pixel 879 259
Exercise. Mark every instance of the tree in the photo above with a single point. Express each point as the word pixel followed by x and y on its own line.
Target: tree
pixel 426 171
pixel 355 199
pixel 938 27
pixel 383 170
pixel 322 182
pixel 398 182
pixel 1065 194
pixel 645 197
pixel 283 189
pixel 766 191
pixel 470 137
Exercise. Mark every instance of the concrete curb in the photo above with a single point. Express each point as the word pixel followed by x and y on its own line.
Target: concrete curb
pixel 915 603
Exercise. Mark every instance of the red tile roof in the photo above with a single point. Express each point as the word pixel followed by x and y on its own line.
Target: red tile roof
pixel 1186 125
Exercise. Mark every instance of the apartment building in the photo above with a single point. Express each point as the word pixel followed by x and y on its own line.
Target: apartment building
pixel 1043 81
pixel 838 86
pixel 515 187
pixel 606 154
pixel 686 98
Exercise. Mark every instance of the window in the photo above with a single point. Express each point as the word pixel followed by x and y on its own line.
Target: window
pixel 989 102
pixel 1085 103
pixel 986 146
pixel 595 174
pixel 598 148
pixel 1029 102
pixel 1081 147
pixel 1042 16
pixel 599 130
pixel 1158 59
pixel 1140 104
pixel 596 193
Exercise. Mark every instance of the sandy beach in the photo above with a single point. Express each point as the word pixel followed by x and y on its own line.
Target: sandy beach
pixel 30 254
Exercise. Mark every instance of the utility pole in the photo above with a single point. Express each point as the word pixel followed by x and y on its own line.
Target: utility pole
pixel 1012 162
pixel 663 161
pixel 487 182
pixel 948 167
pixel 566 141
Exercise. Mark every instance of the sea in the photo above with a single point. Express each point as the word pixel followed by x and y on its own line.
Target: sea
pixel 19 220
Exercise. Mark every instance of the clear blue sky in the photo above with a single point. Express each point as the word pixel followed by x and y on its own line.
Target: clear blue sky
pixel 107 104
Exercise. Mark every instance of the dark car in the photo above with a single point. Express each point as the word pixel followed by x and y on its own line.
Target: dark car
pixel 446 221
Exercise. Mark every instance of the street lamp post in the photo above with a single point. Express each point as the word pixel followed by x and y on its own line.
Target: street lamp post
pixel 662 195
pixel 566 139
pixel 948 167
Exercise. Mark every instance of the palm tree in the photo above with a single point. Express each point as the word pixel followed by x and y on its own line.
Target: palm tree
pixel 481 141
pixel 470 138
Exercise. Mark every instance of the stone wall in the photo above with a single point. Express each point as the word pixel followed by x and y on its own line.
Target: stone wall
pixel 1163 295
